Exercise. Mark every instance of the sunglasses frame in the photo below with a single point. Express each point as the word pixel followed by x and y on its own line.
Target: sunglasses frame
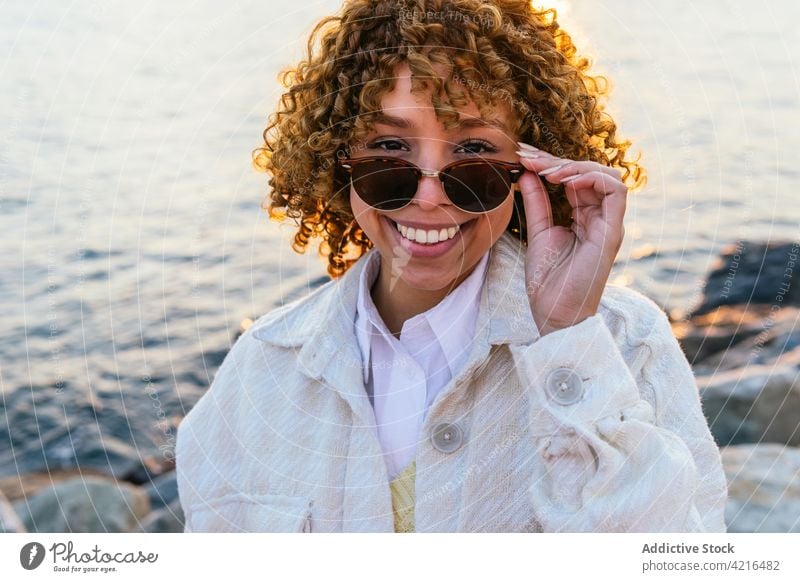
pixel 514 170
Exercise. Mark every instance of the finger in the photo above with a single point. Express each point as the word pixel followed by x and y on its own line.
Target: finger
pixel 593 188
pixel 554 171
pixel 538 212
pixel 600 182
pixel 547 160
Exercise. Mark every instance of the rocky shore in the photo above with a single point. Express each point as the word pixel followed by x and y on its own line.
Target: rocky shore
pixel 743 341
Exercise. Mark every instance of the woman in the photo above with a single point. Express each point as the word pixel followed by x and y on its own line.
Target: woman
pixel 469 368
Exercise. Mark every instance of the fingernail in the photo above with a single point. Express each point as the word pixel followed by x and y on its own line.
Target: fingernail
pixel 527 154
pixel 528 147
pixel 551 169
pixel 569 178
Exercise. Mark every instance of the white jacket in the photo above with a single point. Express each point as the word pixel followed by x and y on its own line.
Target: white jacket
pixel 596 427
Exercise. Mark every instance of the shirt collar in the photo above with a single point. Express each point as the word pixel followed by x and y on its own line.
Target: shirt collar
pixel 453 319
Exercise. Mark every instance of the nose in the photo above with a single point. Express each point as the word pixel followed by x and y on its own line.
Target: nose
pixel 430 191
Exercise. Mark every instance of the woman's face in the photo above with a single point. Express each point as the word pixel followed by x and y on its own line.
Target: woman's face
pixel 410 131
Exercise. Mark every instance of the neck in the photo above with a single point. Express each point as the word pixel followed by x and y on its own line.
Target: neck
pixel 397 302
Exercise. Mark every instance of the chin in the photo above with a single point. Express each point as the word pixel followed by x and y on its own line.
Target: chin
pixel 425 282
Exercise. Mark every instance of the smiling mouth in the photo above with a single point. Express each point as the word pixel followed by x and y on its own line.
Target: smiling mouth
pixel 428 236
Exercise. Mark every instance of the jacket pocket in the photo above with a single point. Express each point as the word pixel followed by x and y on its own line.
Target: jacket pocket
pixel 236 512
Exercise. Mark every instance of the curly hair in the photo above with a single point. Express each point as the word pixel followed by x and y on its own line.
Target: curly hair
pixel 494 51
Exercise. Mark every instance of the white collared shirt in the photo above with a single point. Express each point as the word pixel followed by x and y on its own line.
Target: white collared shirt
pixel 403 376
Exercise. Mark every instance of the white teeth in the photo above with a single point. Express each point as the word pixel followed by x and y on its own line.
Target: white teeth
pixel 427 236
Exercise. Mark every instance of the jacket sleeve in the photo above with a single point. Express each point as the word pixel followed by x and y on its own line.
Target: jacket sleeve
pixel 607 458
pixel 207 445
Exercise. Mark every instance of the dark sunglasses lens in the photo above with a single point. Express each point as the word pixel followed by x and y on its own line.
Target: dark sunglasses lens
pixel 477 186
pixel 384 184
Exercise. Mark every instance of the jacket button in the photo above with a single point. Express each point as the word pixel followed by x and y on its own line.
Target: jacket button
pixel 446 437
pixel 564 386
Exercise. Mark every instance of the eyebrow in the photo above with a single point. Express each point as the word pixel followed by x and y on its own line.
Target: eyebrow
pixel 463 122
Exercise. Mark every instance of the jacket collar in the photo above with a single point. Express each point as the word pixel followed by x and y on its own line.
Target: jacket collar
pixel 322 325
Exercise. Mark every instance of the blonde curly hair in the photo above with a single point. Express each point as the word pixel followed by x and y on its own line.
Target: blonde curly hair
pixel 495 51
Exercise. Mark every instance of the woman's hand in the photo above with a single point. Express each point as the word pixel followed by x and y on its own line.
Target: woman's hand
pixel 566 269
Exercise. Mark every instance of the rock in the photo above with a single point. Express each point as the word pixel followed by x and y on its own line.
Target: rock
pixel 28 484
pixel 753 404
pixel 763 488
pixel 703 335
pixel 162 490
pixel 9 520
pixel 109 455
pixel 735 336
pixel 752 272
pixel 64 449
pixel 150 468
pixel 168 519
pixel 85 504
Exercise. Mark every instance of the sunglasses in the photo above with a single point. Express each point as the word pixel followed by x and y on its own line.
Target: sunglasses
pixel 474 186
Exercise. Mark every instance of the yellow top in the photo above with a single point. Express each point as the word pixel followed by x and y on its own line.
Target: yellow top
pixel 402 487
